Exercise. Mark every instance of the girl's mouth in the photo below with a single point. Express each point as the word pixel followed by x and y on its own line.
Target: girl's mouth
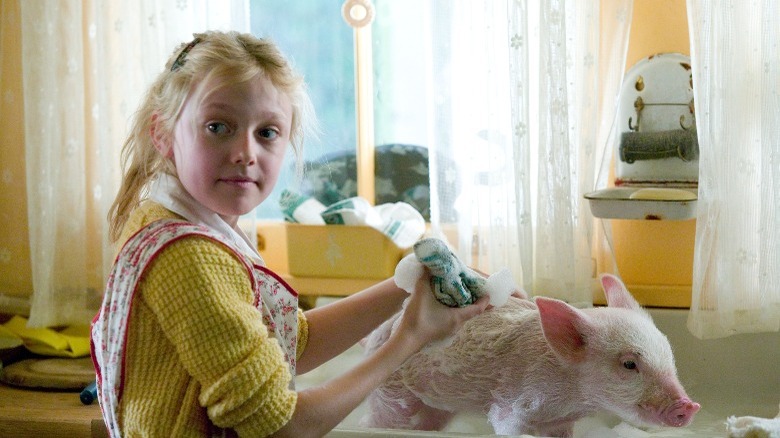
pixel 239 181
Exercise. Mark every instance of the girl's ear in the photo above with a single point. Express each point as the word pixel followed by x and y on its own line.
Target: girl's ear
pixel 161 141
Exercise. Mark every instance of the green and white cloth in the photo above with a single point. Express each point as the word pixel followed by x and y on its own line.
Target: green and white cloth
pixel 452 282
pixel 399 221
pixel 301 209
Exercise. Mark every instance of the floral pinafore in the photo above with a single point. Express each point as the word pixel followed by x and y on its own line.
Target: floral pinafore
pixel 273 297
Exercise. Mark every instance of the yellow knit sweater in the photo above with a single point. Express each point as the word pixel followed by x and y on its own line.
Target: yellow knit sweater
pixel 197 351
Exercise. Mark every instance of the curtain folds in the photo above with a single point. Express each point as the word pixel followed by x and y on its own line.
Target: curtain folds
pixel 526 117
pixel 86 63
pixel 736 76
pixel 521 96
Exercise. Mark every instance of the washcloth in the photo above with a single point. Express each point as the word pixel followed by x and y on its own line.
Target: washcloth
pixel 753 427
pixel 399 221
pixel 452 282
pixel 402 223
pixel 301 209
pixel 9 339
pixel 72 341
pixel 352 211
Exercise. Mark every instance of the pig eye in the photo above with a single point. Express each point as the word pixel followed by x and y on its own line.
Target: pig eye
pixel 629 365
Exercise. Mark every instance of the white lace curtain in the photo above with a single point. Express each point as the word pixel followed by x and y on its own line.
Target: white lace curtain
pixel 526 115
pixel 735 54
pixel 85 64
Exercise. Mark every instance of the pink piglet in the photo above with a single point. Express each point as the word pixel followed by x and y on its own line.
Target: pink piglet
pixel 535 367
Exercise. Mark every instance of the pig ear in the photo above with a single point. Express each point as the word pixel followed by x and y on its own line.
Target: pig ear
pixel 564 327
pixel 617 294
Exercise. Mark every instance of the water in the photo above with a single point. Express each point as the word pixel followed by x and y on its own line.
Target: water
pixel 734 376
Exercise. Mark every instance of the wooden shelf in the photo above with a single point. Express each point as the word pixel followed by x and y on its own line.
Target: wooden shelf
pixel 334 287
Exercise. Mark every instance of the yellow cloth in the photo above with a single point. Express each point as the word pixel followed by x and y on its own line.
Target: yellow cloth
pixel 197 351
pixel 9 339
pixel 69 342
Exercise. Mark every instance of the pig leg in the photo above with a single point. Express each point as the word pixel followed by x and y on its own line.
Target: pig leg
pixel 391 406
pixel 432 419
pixel 394 406
pixel 509 418
pixel 506 420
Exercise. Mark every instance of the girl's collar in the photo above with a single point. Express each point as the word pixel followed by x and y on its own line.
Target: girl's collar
pixel 167 191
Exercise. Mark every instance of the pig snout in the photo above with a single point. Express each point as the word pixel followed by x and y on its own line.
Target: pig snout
pixel 680 413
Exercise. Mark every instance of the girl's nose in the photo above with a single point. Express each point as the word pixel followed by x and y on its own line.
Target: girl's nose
pixel 244 151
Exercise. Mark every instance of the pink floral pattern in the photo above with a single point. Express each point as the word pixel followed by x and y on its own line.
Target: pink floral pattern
pixel 280 311
pixel 277 302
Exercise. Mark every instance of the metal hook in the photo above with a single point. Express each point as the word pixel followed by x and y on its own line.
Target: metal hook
pixel 682 123
pixel 692 109
pixel 631 126
pixel 639 105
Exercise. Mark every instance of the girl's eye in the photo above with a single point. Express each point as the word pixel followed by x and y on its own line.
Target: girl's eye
pixel 268 134
pixel 217 128
pixel 629 365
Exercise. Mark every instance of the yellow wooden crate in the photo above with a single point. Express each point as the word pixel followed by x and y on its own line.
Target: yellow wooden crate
pixel 340 251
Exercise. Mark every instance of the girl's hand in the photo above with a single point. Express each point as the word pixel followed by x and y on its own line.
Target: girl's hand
pixel 423 320
pixel 426 319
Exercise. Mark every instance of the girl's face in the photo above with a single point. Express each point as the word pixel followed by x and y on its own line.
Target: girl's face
pixel 229 144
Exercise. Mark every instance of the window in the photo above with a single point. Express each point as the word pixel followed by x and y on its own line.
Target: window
pixel 320 44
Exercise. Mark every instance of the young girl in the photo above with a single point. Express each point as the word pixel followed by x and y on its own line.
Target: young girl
pixel 195 336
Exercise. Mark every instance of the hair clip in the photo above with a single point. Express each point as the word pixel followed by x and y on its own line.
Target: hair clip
pixel 180 59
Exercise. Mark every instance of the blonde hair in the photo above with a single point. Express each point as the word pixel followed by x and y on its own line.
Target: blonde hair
pixel 230 57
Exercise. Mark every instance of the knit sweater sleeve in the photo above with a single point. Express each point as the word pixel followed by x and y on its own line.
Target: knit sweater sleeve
pixel 303 334
pixel 202 297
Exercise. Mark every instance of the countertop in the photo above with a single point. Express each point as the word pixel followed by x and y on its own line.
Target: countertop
pixel 51 414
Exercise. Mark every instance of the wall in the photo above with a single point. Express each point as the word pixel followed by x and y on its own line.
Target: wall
pixel 658 26
pixel 655 258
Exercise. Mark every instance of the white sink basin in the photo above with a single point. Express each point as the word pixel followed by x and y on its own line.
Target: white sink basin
pixel 737 376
